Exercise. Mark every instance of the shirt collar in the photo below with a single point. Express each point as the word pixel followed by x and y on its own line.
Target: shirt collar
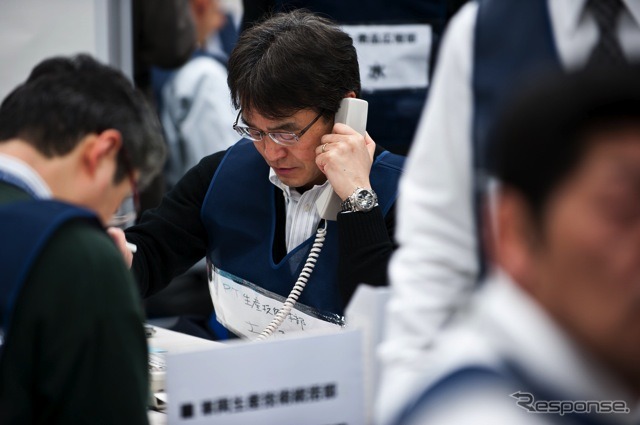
pixel 633 6
pixel 24 176
pixel 568 13
pixel 273 178
pixel 571 12
pixel 526 331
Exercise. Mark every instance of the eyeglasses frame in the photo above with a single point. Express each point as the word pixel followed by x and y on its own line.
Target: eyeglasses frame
pixel 271 135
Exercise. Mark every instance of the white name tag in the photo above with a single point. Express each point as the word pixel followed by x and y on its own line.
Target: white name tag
pixel 392 56
pixel 247 309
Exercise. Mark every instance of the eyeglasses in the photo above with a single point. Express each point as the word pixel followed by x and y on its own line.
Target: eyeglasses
pixel 281 138
pixel 130 207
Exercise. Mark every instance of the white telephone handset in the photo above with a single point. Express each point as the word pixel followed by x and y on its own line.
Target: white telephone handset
pixel 352 112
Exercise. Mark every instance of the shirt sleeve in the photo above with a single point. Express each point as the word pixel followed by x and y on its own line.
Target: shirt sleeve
pixel 435 264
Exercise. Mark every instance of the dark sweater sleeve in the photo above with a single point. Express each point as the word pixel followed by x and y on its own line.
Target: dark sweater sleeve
pixel 366 242
pixel 172 237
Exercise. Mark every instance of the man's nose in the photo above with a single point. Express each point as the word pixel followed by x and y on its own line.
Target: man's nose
pixel 272 150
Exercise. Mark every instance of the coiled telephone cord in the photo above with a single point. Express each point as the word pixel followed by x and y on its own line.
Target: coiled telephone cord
pixel 300 284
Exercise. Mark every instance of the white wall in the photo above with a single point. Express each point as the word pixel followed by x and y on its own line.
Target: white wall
pixel 31 30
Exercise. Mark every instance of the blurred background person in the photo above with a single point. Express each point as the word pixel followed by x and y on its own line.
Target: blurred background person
pixel 557 325
pixel 74 348
pixel 164 35
pixel 222 42
pixel 490 49
pixel 195 104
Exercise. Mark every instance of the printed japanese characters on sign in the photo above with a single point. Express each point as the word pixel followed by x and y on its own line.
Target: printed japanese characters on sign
pixel 392 57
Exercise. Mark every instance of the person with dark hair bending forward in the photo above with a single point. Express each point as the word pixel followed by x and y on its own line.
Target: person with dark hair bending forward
pixel 251 209
pixel 74 348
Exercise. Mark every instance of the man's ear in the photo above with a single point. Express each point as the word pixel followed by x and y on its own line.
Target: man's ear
pixel 99 147
pixel 516 237
pixel 351 94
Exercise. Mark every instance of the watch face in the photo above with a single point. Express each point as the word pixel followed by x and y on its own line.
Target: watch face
pixel 365 200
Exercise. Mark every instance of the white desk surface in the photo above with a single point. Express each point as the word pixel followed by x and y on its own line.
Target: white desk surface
pixel 176 342
pixel 172 342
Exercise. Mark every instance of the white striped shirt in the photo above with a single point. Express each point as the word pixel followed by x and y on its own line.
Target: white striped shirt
pixel 302 214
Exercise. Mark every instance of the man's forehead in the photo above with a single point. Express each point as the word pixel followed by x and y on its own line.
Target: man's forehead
pixel 619 146
pixel 612 160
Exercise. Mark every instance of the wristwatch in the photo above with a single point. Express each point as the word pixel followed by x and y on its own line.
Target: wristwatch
pixel 363 200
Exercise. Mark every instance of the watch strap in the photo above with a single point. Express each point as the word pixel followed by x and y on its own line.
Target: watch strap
pixel 351 205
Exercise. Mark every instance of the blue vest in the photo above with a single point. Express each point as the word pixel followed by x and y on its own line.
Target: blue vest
pixel 26 227
pixel 393 113
pixel 239 214
pixel 511 378
pixel 514 44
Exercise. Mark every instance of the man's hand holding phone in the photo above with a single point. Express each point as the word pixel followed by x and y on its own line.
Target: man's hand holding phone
pixel 345 157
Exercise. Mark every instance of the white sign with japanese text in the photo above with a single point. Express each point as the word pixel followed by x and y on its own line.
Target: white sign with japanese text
pixel 392 57
pixel 306 380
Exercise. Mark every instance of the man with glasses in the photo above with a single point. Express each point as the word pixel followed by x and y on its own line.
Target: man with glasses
pixel 251 210
pixel 75 140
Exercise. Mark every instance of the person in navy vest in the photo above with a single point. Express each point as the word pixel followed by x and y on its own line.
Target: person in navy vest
pixel 554 334
pixel 76 139
pixel 251 210
pixel 490 48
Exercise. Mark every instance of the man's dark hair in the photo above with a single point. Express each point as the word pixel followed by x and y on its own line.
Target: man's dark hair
pixel 293 61
pixel 65 99
pixel 545 130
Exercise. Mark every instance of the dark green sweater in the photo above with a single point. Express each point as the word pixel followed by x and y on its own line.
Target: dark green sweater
pixel 76 352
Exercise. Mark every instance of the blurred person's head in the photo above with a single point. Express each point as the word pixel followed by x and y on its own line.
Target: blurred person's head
pixel 289 73
pixel 208 17
pixel 85 129
pixel 567 155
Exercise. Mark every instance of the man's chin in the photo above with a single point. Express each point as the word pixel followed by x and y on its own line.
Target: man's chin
pixel 289 179
pixel 292 183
